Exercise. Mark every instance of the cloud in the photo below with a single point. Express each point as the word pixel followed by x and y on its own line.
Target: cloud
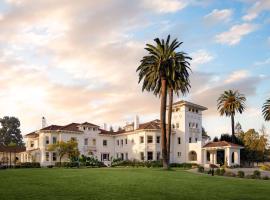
pixel 258 7
pixel 200 57
pixel 217 16
pixel 166 6
pixel 264 62
pixel 206 88
pixel 237 76
pixel 235 34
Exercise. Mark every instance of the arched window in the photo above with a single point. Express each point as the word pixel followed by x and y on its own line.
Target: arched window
pixel 192 156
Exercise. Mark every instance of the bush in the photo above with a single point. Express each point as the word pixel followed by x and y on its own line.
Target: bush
pixel 230 174
pixel 28 165
pixel 183 165
pixel 265 178
pixel 241 174
pixel 257 174
pixel 50 166
pixel 222 172
pixel 265 167
pixel 135 163
pixel 217 172
pixel 250 176
pixel 200 169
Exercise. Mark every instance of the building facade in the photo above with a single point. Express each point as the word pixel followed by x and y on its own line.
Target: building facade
pixel 140 141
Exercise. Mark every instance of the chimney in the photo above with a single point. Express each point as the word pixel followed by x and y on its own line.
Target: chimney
pixel 136 122
pixel 105 126
pixel 44 123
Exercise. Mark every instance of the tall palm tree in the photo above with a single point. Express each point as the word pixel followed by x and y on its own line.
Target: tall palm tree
pixel 266 110
pixel 229 103
pixel 162 69
pixel 181 85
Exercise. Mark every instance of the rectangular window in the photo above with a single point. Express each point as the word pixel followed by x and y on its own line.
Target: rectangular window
pixel 179 140
pixel 142 155
pixel 196 139
pixel 104 142
pixel 54 140
pixel 85 141
pixel 94 142
pixel 122 156
pixel 149 139
pixel 196 125
pixel 173 126
pixel 122 142
pixel 190 139
pixel 47 140
pixel 179 154
pixel 158 139
pixel 47 155
pixel 117 156
pixel 177 125
pixel 118 143
pixel 105 157
pixel 189 125
pixel 126 140
pixel 73 139
pixel 141 139
pixel 54 156
pixel 149 155
pixel 158 155
pixel 32 144
pixel 126 156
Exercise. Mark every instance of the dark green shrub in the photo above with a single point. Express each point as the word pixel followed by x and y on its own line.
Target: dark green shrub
pixel 217 172
pixel 265 178
pixel 257 174
pixel 183 165
pixel 250 176
pixel 222 172
pixel 241 174
pixel 29 165
pixel 50 166
pixel 230 174
pixel 201 169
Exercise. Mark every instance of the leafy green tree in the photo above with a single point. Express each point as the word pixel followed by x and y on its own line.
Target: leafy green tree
pixel 229 103
pixel 69 148
pixel 161 69
pixel 266 110
pixel 10 131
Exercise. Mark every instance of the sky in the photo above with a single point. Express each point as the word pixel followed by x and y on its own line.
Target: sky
pixel 75 61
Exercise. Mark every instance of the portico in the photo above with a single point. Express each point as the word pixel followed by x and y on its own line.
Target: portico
pixel 221 153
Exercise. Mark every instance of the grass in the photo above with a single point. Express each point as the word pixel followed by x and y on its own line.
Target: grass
pixel 125 183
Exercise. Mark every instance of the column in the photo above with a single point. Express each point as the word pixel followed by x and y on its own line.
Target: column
pixel 205 156
pixel 211 157
pixel 228 154
pixel 215 157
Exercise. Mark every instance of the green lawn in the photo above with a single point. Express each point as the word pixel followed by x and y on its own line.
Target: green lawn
pixel 141 183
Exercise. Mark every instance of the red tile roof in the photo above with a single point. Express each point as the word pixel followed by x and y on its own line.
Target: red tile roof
pixel 51 128
pixel 155 124
pixel 13 149
pixel 221 144
pixel 89 124
pixel 31 135
pixel 71 127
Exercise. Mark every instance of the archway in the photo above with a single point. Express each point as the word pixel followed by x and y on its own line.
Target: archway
pixel 192 156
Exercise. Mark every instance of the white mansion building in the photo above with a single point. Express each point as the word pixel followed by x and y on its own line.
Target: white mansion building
pixel 140 141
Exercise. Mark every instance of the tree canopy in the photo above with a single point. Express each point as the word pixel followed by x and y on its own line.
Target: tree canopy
pixel 10 132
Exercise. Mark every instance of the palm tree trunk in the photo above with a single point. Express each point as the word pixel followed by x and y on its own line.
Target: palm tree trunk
pixel 233 133
pixel 163 122
pixel 169 132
